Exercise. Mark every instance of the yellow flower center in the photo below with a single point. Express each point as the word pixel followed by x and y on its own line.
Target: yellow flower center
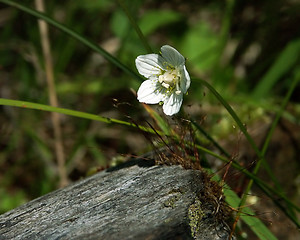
pixel 170 80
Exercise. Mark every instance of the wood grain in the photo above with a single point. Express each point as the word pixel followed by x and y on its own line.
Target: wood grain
pixel 133 201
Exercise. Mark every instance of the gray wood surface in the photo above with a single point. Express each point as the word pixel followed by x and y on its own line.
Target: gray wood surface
pixel 133 201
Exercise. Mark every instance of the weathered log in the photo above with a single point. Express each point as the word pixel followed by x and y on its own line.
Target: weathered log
pixel 133 201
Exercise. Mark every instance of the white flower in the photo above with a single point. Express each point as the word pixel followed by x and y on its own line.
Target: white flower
pixel 167 79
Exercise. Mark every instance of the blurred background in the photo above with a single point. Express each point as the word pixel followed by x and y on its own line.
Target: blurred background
pixel 248 50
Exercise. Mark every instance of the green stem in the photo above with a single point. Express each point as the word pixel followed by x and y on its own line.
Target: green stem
pixel 260 155
pixel 223 39
pixel 135 26
pixel 29 105
pixel 268 190
pixel 236 165
pixel 253 145
pixel 225 28
pixel 270 133
pixel 36 106
pixel 233 115
pixel 210 138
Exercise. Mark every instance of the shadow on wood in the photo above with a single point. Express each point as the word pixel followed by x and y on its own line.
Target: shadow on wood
pixel 133 201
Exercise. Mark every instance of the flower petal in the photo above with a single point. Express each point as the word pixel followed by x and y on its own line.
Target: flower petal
pixel 185 80
pixel 172 104
pixel 148 65
pixel 148 93
pixel 172 56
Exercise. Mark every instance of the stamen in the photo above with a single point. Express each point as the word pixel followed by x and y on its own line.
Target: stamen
pixel 161 78
pixel 169 79
pixel 166 85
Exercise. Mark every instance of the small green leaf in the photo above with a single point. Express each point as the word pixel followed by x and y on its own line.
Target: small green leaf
pixel 152 20
pixel 204 56
pixel 248 216
pixel 119 24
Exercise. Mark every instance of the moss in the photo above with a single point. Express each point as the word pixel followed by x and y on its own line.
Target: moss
pixel 170 202
pixel 177 190
pixel 175 196
pixel 195 215
pixel 208 209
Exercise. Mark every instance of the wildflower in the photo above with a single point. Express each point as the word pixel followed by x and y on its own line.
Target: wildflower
pixel 167 79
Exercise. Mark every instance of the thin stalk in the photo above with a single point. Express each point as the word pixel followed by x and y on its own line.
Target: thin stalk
pixel 135 26
pixel 55 117
pixel 267 189
pixel 225 27
pixel 261 158
pixel 47 108
pixel 269 135
pixel 233 115
pixel 223 39
pixel 243 129
pixel 237 166
pixel 41 107
pixel 217 145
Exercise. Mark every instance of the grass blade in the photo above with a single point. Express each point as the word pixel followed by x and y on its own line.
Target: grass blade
pixel 248 216
pixel 135 26
pixel 210 138
pixel 258 152
pixel 282 65
pixel 42 107
pixel 163 125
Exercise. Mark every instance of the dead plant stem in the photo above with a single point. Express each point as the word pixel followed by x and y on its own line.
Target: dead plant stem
pixel 55 117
